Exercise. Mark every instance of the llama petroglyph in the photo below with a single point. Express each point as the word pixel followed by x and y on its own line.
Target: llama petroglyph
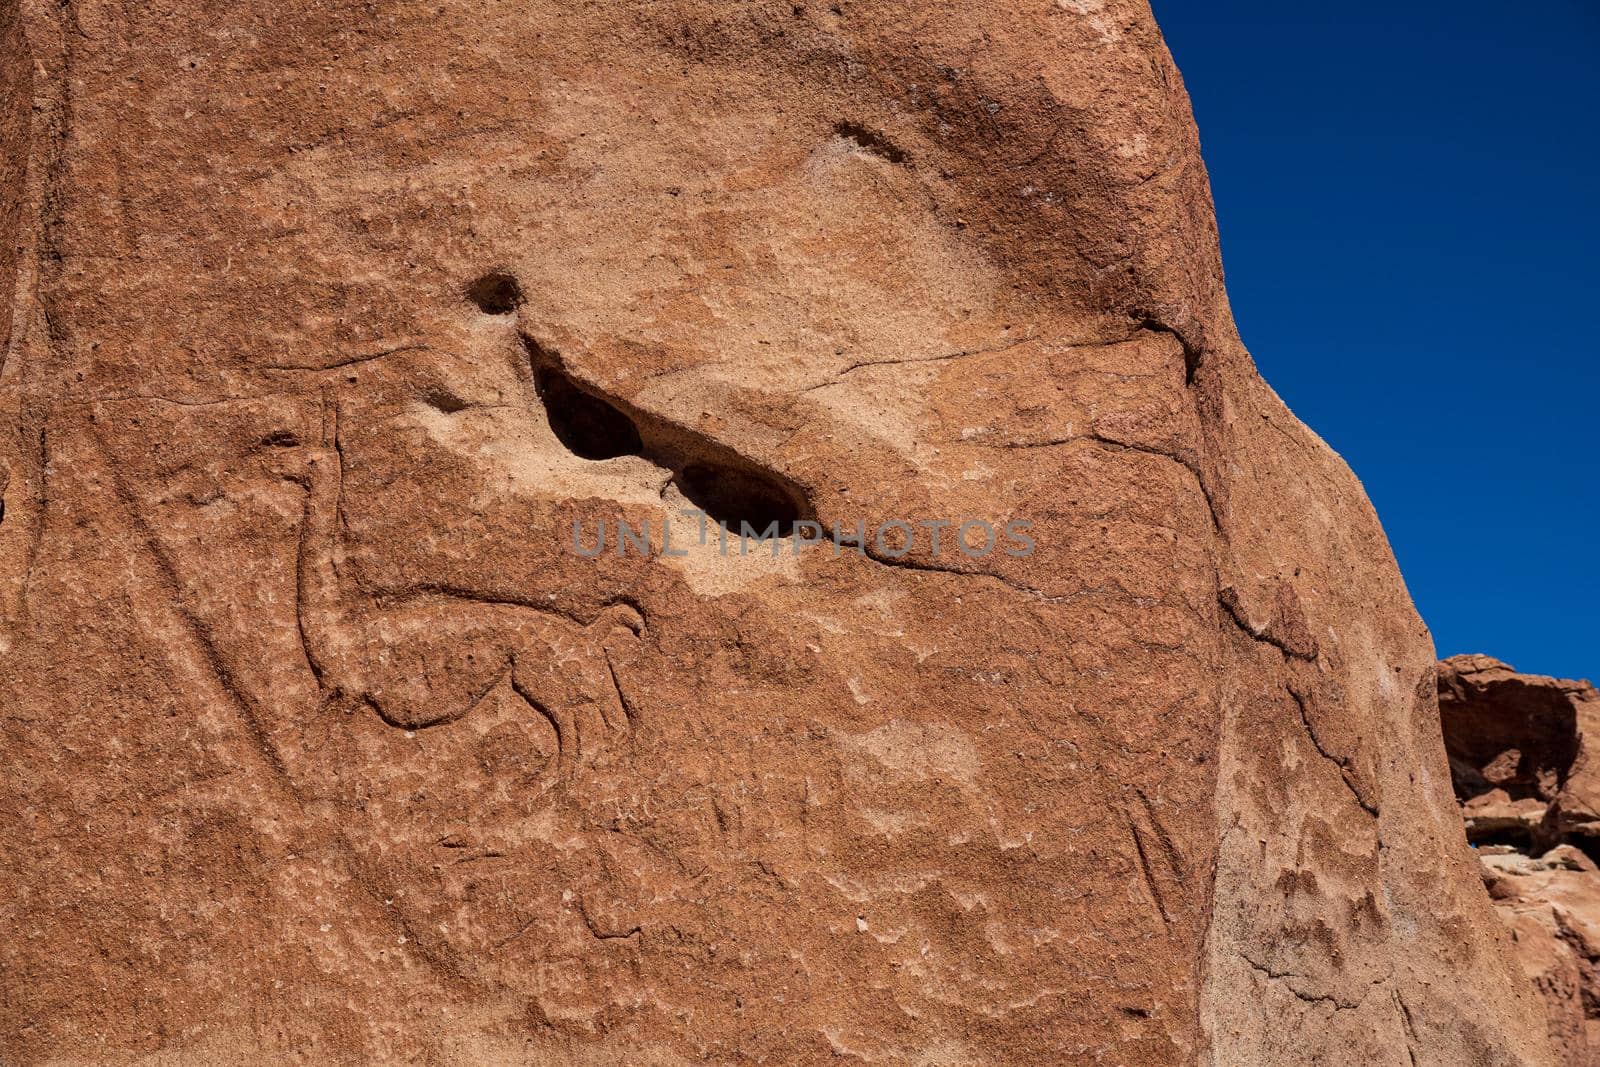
pixel 427 659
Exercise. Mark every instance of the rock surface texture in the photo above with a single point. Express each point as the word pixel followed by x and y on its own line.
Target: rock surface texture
pixel 1521 757
pixel 323 741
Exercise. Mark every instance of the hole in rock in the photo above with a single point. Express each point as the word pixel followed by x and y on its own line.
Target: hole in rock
pixel 731 497
pixel 711 476
pixel 496 293
pixel 587 425
pixel 1585 844
pixel 1519 838
pixel 870 141
pixel 442 400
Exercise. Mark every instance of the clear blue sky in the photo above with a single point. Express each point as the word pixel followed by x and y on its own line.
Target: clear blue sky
pixel 1407 194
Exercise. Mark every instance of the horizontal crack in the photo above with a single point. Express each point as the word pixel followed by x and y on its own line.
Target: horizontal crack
pixel 1286 979
pixel 348 361
pixel 1103 342
pixel 1122 446
pixel 600 932
pixel 941 358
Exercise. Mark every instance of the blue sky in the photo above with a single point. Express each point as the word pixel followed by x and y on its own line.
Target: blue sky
pixel 1407 196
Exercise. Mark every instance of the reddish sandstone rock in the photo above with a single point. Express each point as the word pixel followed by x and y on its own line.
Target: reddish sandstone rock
pixel 323 741
pixel 1519 750
pixel 1522 764
pixel 1551 905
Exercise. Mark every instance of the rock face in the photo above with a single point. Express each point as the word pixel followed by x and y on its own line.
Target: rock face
pixel 1524 771
pixel 327 739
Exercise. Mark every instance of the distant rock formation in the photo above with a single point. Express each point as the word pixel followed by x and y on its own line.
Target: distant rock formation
pixel 1517 755
pixel 1523 762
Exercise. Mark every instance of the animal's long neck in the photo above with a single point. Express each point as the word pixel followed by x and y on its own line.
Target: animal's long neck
pixel 321 601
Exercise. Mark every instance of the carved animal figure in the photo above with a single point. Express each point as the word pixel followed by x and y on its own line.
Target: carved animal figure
pixel 430 659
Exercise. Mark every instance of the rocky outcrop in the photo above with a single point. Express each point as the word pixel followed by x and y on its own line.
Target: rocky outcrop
pixel 331 740
pixel 1523 765
pixel 1520 753
pixel 1551 905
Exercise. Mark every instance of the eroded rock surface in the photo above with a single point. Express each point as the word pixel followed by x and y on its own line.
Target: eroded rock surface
pixel 1520 750
pixel 1551 905
pixel 1522 762
pixel 323 740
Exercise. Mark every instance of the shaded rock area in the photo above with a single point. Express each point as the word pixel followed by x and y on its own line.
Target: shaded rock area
pixel 1519 759
pixel 329 322
pixel 1524 766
